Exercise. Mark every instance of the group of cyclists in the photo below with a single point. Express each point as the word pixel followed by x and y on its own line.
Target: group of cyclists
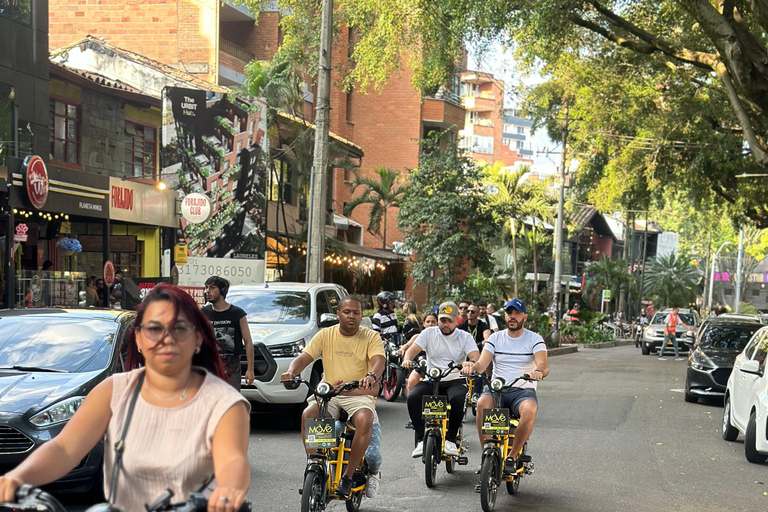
pixel 453 338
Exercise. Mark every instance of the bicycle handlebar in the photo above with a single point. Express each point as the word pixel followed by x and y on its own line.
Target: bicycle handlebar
pixel 29 498
pixel 332 392
pixel 195 503
pixel 488 380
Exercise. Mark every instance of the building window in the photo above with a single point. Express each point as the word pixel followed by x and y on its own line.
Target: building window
pixel 140 150
pixel 65 132
pixel 20 10
pixel 129 263
pixel 755 293
pixel 520 144
pixel 521 130
pixel 239 146
pixel 482 144
pixel 250 133
pixel 349 107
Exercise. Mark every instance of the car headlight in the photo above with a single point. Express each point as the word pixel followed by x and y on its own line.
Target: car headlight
pixel 58 413
pixel 292 349
pixel 650 332
pixel 701 361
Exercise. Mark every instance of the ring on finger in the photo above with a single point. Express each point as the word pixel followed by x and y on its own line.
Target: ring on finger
pixel 223 498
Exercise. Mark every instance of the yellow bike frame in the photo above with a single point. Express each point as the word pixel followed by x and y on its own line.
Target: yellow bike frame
pixel 506 447
pixel 337 465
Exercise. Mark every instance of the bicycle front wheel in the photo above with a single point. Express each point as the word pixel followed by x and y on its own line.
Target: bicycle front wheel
pixel 431 460
pixel 489 483
pixel 312 494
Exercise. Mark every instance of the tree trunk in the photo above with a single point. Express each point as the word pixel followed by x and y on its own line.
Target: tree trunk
pixel 384 242
pixel 535 265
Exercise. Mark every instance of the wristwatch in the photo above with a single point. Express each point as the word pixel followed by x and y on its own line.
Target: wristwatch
pixel 372 375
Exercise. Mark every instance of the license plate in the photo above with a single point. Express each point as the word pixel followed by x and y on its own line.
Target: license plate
pixel 320 433
pixel 434 407
pixel 495 422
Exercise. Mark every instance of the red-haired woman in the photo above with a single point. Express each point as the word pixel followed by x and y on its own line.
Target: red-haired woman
pixel 187 423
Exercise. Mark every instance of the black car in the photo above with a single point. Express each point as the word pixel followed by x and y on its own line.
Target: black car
pixel 49 360
pixel 711 359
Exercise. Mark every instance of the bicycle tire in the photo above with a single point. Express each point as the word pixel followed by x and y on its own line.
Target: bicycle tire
pixel 431 460
pixel 312 494
pixel 489 485
pixel 354 501
pixel 392 385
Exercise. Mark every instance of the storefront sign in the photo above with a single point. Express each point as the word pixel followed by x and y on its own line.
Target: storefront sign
pixel 21 233
pixel 59 190
pixel 109 273
pixel 35 180
pixel 197 270
pixel 180 254
pixel 117 243
pixel 196 208
pixel 196 292
pixel 140 203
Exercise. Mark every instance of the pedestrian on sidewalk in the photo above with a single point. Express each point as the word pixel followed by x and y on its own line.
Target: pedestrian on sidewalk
pixel 670 333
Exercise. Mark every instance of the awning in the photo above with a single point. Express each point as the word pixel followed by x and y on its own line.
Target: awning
pixel 351 148
pixel 343 223
pixel 374 254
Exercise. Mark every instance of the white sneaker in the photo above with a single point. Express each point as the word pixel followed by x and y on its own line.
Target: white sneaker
pixel 372 487
pixel 418 451
pixel 451 449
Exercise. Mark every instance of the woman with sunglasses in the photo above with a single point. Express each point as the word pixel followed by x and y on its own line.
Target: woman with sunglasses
pixel 187 424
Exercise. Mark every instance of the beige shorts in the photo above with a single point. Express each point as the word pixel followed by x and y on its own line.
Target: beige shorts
pixel 350 404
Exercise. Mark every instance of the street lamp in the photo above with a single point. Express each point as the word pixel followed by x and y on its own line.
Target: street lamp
pixel 712 276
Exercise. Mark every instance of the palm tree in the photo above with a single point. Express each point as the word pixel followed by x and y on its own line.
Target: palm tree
pixel 606 274
pixel 513 199
pixel 382 194
pixel 671 281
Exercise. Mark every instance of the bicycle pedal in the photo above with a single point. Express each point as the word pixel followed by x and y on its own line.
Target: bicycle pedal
pixel 528 468
pixel 301 491
pixel 524 458
pixel 462 461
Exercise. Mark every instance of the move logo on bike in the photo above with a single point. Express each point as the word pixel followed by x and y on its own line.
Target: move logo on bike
pixel 434 407
pixel 320 433
pixel 495 421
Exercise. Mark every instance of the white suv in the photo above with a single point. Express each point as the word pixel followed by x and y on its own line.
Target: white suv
pixel 283 317
pixel 746 399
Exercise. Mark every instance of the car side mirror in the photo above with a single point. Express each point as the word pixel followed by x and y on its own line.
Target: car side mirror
pixel 328 320
pixel 751 367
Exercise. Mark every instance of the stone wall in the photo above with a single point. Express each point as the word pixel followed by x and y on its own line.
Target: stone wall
pixel 103 133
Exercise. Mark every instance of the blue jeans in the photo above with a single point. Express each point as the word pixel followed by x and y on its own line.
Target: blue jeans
pixel 668 337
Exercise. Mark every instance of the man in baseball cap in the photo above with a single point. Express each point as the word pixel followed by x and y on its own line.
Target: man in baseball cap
pixel 443 344
pixel 514 352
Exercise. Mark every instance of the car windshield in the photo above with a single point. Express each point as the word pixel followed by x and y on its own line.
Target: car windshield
pixel 727 336
pixel 75 345
pixel 272 306
pixel 686 318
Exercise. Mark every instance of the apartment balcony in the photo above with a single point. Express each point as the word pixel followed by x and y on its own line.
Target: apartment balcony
pixel 479 103
pixel 482 122
pixel 486 130
pixel 232 61
pixel 442 113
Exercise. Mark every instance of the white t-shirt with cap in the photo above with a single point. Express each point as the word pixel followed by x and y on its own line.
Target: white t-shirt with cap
pixel 442 350
pixel 513 357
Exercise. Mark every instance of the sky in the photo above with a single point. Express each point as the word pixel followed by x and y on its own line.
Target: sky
pixel 502 65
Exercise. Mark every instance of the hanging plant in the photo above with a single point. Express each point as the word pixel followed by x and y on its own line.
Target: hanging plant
pixel 69 245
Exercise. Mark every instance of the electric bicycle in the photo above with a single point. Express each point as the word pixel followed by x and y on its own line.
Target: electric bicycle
pixel 500 425
pixel 394 376
pixel 326 467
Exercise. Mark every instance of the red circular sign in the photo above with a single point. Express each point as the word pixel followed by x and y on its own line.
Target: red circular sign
pixel 36 181
pixel 109 273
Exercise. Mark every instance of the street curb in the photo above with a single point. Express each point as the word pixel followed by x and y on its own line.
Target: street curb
pixel 565 349
pixel 607 344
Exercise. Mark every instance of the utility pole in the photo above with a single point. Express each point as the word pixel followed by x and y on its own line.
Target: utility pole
pixel 706 272
pixel 739 276
pixel 559 227
pixel 317 193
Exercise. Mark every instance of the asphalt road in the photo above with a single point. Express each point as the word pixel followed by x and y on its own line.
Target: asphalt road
pixel 613 433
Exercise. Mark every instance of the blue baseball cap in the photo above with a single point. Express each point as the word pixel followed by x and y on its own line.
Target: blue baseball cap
pixel 517 304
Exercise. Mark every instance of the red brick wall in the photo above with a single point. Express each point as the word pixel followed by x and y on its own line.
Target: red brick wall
pixel 169 32
pixel 262 39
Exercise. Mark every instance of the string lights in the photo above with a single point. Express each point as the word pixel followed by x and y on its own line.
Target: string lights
pixel 42 215
pixel 350 261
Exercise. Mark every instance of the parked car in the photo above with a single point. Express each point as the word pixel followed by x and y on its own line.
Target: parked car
pixel 653 336
pixel 284 317
pixel 746 399
pixel 710 362
pixel 49 360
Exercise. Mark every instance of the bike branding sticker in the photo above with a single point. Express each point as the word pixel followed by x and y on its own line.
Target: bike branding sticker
pixel 320 433
pixel 496 422
pixel 434 407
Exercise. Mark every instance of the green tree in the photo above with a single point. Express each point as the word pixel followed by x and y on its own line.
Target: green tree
pixel 381 194
pixel 606 274
pixel 671 281
pixel 445 217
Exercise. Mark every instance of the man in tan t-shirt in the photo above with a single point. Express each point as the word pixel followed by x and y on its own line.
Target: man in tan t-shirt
pixel 349 352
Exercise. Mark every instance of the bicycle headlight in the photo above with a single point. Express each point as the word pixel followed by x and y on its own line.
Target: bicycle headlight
pixel 323 389
pixel 58 413
pixel 422 363
pixel 434 373
pixel 497 384
pixel 393 353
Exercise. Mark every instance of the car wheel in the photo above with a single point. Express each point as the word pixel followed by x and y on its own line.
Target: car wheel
pixel 644 348
pixel 730 433
pixel 689 397
pixel 750 439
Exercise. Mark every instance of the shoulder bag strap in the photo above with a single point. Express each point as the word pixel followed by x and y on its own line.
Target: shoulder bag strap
pixel 120 444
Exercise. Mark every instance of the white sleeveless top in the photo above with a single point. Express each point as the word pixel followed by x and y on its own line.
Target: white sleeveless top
pixel 164 447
